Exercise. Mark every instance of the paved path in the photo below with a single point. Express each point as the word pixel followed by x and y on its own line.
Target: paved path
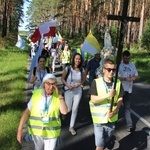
pixel 122 140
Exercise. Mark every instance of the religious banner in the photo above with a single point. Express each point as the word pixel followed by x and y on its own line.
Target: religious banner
pixel 35 59
pixel 91 45
pixel 46 29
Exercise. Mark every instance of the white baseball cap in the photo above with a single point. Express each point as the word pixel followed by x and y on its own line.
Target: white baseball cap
pixel 48 76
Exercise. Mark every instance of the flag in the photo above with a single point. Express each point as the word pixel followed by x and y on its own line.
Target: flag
pixel 20 43
pixel 34 62
pixel 91 44
pixel 55 39
pixel 59 36
pixel 46 29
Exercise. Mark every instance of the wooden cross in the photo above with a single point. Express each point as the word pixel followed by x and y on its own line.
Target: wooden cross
pixel 124 19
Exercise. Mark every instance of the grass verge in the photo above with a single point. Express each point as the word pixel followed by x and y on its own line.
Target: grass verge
pixel 141 59
pixel 12 80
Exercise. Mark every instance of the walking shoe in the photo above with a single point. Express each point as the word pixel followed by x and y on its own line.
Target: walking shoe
pixel 130 129
pixel 73 132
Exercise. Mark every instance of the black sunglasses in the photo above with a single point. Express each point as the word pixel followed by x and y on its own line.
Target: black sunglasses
pixel 110 69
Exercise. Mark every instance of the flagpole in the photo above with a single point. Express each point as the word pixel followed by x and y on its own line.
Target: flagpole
pixel 35 58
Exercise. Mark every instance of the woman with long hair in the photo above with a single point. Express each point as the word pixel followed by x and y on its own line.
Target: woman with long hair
pixel 73 87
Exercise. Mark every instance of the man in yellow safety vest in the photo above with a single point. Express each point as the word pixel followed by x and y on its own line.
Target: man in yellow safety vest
pixel 101 93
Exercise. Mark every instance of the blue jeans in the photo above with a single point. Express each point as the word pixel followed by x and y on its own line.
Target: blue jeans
pixel 72 99
pixel 103 133
pixel 127 104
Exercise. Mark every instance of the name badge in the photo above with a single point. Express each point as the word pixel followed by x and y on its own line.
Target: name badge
pixel 45 120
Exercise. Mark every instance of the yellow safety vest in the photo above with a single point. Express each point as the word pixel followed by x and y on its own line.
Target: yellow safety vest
pixel 66 57
pixel 99 111
pixel 36 126
pixel 47 62
pixel 85 54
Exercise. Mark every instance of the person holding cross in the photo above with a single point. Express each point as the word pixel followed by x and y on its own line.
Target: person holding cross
pixel 101 93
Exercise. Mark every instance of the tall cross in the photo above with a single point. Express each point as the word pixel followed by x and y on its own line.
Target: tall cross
pixel 124 19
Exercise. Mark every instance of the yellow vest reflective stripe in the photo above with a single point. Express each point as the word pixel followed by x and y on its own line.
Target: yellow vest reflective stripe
pixel 36 126
pixel 99 111
pixel 79 50
pixel 66 57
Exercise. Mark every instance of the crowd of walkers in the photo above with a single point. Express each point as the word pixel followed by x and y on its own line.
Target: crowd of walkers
pixel 47 103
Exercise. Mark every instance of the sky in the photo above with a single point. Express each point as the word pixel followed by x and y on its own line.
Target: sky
pixel 22 25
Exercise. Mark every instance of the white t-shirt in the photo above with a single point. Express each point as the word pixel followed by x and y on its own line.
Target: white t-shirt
pixel 53 52
pixel 40 75
pixel 127 71
pixel 74 77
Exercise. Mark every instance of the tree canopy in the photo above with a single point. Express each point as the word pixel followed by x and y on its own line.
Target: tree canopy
pixel 76 17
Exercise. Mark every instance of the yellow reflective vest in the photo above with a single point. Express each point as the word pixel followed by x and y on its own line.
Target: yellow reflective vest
pixel 66 57
pixel 85 54
pixel 36 126
pixel 47 62
pixel 100 110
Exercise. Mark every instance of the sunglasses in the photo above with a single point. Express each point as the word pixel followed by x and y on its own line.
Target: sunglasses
pixel 110 69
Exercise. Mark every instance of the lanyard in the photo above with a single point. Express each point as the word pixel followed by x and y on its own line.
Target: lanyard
pixel 41 75
pixel 106 88
pixel 47 105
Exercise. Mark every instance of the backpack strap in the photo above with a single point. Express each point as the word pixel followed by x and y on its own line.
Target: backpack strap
pixel 68 72
pixel 47 69
pixel 34 71
pixel 81 70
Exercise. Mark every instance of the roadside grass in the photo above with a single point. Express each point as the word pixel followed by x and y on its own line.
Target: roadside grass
pixel 141 59
pixel 12 84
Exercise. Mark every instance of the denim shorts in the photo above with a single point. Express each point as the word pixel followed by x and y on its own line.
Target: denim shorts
pixel 103 133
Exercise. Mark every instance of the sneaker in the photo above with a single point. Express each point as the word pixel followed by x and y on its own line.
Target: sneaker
pixel 73 132
pixel 130 129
